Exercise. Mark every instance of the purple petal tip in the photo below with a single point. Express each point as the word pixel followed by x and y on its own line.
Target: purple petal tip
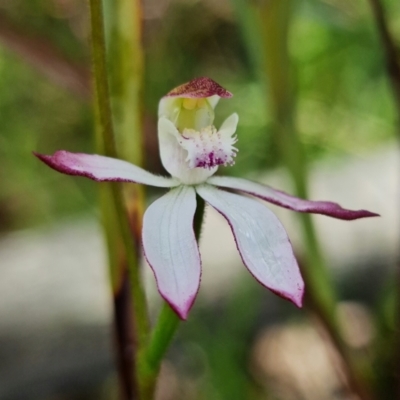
pixel 51 162
pixel 181 311
pixel 41 157
pixel 327 208
pixel 298 300
pixel 296 296
pixel 336 211
pixel 64 162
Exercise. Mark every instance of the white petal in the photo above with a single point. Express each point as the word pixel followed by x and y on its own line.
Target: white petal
pixel 261 240
pixel 100 168
pixel 169 107
pixel 213 100
pixel 173 156
pixel 171 249
pixel 228 127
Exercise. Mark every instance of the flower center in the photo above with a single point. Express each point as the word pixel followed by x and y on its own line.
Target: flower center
pixel 192 113
pixel 208 147
pixel 191 104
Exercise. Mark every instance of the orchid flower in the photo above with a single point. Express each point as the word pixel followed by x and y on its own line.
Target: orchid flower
pixel 191 150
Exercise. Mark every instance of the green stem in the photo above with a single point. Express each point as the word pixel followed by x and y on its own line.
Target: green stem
pixel 125 58
pixel 167 323
pixel 391 51
pixel 391 54
pixel 102 97
pixel 163 333
pixel 106 126
pixel 274 21
pixel 118 230
pixel 126 61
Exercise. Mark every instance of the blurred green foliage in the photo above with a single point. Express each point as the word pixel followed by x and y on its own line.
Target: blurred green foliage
pixel 344 102
pixel 35 114
pixel 344 107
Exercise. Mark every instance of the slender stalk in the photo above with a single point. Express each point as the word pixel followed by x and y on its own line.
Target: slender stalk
pixel 162 335
pixel 123 24
pixel 276 19
pixel 392 55
pixel 123 326
pixel 391 51
pixel 166 325
pixel 126 61
pixel 102 96
pixel 274 22
pixel 123 256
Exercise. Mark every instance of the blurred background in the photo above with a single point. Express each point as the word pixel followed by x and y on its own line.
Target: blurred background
pixel 241 342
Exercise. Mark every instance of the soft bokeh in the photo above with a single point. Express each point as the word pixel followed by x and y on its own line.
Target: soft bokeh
pixel 240 342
